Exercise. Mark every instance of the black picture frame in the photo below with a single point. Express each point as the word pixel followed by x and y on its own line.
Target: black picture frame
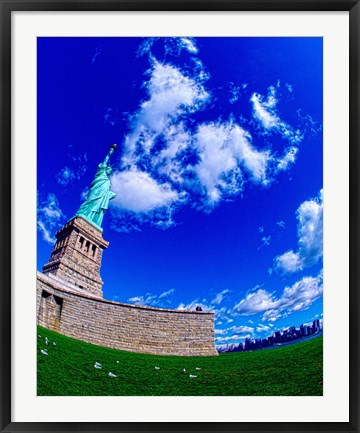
pixel 6 9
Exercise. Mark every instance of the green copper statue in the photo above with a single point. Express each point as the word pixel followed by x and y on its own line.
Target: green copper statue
pixel 93 209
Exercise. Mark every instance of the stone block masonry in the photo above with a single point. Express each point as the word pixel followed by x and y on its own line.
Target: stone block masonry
pixel 77 254
pixel 76 312
pixel 70 301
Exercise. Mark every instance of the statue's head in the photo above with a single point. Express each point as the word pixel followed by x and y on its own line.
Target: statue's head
pixel 109 170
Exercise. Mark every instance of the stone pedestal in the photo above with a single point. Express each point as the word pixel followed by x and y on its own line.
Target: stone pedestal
pixel 77 255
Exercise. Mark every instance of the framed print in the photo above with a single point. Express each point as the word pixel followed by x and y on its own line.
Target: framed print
pixel 179 216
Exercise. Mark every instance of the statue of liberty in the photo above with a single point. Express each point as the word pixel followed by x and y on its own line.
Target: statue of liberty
pixel 94 207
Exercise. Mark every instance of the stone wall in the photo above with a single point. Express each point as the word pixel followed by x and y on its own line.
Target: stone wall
pixel 64 309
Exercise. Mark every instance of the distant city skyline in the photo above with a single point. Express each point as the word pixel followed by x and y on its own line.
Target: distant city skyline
pixel 218 171
pixel 278 338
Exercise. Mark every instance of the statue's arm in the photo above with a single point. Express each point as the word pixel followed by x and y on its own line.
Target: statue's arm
pixel 107 157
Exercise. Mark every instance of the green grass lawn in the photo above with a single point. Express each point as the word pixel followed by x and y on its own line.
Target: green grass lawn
pixel 68 369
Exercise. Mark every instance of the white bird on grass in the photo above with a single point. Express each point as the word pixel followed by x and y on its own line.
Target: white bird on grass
pixel 157 368
pixel 112 374
pixel 44 352
pixel 197 368
pixel 192 376
pixel 97 365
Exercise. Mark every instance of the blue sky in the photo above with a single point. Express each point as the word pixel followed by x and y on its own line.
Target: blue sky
pixel 218 171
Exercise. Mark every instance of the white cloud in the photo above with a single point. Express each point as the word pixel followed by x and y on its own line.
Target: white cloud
pixel 189 44
pixel 221 313
pixel 310 238
pixel 65 176
pixel 288 158
pixel 263 328
pixel 310 230
pixel 171 94
pixel 97 52
pixel 232 338
pixel 266 114
pixel 241 330
pixel 288 262
pixel 84 193
pixel 170 45
pixel 145 46
pixel 264 110
pixel 272 315
pixel 254 161
pixel 224 151
pixel 236 91
pixel 177 140
pixel 220 297
pixel 266 240
pixel 68 175
pixel 301 294
pixel 298 297
pixel 221 331
pixel 51 209
pixel 136 191
pixel 281 224
pixel 195 303
pixel 213 305
pixel 153 300
pixel 200 72
pixel 47 235
pixel 49 217
pixel 166 294
pixel 108 116
pixel 309 124
pixel 255 302
pixel 168 162
pixel 169 159
pixel 236 332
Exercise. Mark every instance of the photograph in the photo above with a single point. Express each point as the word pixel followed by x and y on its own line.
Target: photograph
pixel 179 216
